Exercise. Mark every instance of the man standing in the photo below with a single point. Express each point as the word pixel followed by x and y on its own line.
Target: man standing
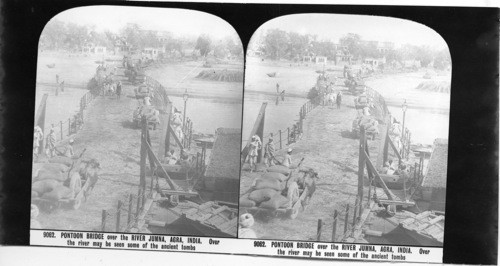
pixel 339 99
pixel 287 161
pixel 51 143
pixel 118 89
pixel 69 152
pixel 269 153
pixel 38 136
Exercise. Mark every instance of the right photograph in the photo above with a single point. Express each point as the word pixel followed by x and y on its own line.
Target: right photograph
pixel 345 131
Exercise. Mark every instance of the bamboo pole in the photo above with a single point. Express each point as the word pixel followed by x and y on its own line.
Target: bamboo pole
pixel 354 213
pixel 130 202
pixel 320 227
pixel 118 215
pixel 60 126
pixel 334 228
pixel 281 146
pixel 103 220
pixel 346 219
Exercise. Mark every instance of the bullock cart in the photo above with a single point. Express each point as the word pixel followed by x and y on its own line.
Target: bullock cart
pixel 298 190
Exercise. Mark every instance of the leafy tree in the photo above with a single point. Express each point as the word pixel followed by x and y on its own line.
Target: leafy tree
pixel 234 49
pixel 76 36
pixel 353 43
pixel 53 35
pixel 442 59
pixel 220 51
pixel 132 34
pixel 324 48
pixel 203 44
pixel 275 43
pixel 298 45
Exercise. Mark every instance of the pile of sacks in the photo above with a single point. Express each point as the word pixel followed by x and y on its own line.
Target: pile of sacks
pixel 51 181
pixel 370 124
pixel 269 190
pixel 152 115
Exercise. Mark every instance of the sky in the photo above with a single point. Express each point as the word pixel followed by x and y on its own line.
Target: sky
pixel 333 27
pixel 178 21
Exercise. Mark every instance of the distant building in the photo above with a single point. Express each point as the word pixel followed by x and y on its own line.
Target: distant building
pixel 434 182
pixel 90 48
pixel 411 63
pixel 222 175
pixel 385 47
pixel 321 59
pixel 151 53
pixel 374 62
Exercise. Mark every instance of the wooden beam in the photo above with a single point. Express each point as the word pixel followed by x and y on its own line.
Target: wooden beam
pixel 172 132
pixel 361 164
pixel 358 229
pixel 394 147
pixel 397 202
pixel 369 164
pixel 160 167
pixel 147 205
pixel 179 193
pixel 165 123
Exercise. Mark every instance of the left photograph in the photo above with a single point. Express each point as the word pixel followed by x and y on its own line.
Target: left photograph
pixel 138 122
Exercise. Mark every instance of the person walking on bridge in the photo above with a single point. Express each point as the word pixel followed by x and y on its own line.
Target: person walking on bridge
pixel 51 143
pixel 269 153
pixel 118 89
pixel 339 99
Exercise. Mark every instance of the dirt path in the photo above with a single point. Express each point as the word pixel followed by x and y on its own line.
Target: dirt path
pixel 334 155
pixel 109 137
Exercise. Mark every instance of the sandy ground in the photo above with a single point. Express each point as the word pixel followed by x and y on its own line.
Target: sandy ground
pixel 179 76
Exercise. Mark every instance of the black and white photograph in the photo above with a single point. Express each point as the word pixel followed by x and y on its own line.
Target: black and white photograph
pixel 345 131
pixel 138 122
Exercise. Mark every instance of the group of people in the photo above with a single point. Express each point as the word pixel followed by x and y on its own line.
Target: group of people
pixel 270 159
pixel 183 159
pixel 50 144
pixel 177 122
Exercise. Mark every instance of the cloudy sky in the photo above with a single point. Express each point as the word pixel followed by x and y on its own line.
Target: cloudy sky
pixel 177 21
pixel 333 27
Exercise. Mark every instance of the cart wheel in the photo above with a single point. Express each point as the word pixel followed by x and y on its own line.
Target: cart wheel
pixel 293 193
pixel 294 212
pixel 75 183
pixel 76 204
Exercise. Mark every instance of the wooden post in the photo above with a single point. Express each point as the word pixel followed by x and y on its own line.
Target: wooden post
pixel 118 215
pixel 369 196
pixel 138 204
pixel 288 135
pixel 346 219
pixel 60 126
pixel 334 228
pixel 361 161
pixel 69 126
pixel 415 174
pixel 129 214
pixel 281 146
pixel 318 234
pixel 103 220
pixel 354 213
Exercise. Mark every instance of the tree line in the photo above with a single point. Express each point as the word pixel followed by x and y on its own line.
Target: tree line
pixel 58 35
pixel 279 44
